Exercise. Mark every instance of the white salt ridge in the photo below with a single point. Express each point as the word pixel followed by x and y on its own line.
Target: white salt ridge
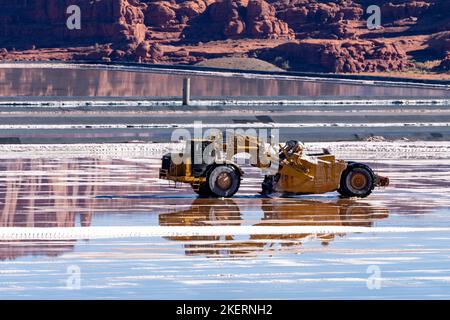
pixel 61 103
pixel 147 152
pixel 225 125
pixel 112 232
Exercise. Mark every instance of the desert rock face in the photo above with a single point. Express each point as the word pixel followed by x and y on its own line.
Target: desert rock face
pixel 396 11
pixel 238 19
pixel 166 15
pixel 120 22
pixel 262 22
pixel 369 56
pixel 318 35
pixel 439 45
pixel 312 19
pixel 160 14
pixel 445 64
pixel 45 21
pixel 148 52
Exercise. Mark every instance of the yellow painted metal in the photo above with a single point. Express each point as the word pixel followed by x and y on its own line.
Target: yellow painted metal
pixel 188 168
pixel 299 174
pixel 182 173
pixel 247 144
pixel 185 179
pixel 318 175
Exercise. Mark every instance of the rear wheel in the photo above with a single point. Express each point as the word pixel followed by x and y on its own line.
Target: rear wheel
pixel 224 181
pixel 357 180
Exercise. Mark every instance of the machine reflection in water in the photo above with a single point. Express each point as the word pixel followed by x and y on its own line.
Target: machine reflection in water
pixel 64 193
pixel 276 212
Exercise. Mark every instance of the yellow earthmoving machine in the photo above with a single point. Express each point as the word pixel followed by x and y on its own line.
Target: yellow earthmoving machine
pixel 208 166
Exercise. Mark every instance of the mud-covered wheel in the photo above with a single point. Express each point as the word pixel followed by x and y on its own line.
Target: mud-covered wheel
pixel 203 190
pixel 224 181
pixel 357 180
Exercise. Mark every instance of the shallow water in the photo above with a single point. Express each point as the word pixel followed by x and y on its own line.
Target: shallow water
pixel 101 83
pixel 67 192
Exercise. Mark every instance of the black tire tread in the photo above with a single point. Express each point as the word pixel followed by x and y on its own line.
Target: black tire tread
pixel 237 175
pixel 343 189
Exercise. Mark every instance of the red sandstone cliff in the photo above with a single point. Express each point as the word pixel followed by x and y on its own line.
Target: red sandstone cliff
pixel 311 35
pixel 230 19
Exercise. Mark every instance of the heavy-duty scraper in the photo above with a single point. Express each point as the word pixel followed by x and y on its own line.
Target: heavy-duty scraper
pixel 290 171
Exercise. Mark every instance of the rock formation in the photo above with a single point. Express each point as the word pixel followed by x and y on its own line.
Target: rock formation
pixel 397 11
pixel 325 35
pixel 173 15
pixel 350 56
pixel 313 19
pixel 44 21
pixel 439 45
pixel 120 22
pixel 238 19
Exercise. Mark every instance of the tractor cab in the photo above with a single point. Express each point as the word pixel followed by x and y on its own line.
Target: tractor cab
pixel 198 155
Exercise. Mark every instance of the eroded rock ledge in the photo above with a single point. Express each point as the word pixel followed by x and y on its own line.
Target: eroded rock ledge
pixel 311 35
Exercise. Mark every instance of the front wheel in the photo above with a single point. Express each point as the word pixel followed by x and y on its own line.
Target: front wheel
pixel 224 181
pixel 357 180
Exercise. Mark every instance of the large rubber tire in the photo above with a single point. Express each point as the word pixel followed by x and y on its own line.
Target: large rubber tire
pixel 357 180
pixel 203 190
pixel 224 181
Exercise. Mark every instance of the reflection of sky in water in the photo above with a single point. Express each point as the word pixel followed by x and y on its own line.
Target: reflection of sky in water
pixel 158 269
pixel 303 266
pixel 66 82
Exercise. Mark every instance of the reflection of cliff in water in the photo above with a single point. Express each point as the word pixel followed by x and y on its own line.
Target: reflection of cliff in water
pixel 41 200
pixel 49 193
pixel 11 250
pixel 276 212
pixel 53 193
pixel 76 82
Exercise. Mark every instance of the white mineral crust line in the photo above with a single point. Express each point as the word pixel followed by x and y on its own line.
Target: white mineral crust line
pixel 71 233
